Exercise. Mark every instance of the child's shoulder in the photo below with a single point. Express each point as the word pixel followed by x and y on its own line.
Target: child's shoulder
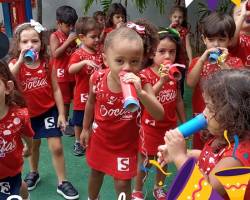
pixel 19 114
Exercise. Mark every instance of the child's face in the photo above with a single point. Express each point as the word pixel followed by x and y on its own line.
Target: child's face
pixel 101 19
pixel 166 50
pixel 124 54
pixel 66 28
pixel 216 41
pixel 177 17
pixel 29 39
pixel 236 16
pixel 118 18
pixel 91 39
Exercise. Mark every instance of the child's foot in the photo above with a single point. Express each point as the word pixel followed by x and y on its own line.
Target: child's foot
pixel 78 149
pixel 137 195
pixel 159 194
pixel 67 190
pixel 32 179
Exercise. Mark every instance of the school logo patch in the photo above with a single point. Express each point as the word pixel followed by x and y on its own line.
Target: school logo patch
pixel 123 164
pixel 49 122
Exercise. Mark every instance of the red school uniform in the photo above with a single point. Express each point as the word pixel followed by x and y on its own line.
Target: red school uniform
pixel 154 130
pixel 242 49
pixel 12 126
pixel 198 104
pixel 183 53
pixel 82 77
pixel 113 144
pixel 209 159
pixel 37 88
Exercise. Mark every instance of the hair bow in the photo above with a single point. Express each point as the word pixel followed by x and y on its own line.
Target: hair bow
pixel 138 28
pixel 170 31
pixel 37 26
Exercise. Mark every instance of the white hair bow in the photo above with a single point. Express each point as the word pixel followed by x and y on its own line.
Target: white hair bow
pixel 37 26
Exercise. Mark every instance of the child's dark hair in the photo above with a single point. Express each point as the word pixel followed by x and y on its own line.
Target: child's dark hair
pixel 15 97
pixel 150 40
pixel 86 24
pixel 66 14
pixel 218 24
pixel 183 10
pixel 115 8
pixel 173 36
pixel 15 50
pixel 229 93
pixel 98 13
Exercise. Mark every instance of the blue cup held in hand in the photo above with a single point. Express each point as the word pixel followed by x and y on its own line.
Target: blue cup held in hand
pixel 194 125
pixel 213 56
pixel 31 56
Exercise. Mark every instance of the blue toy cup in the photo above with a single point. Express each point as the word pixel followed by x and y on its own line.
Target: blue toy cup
pixel 30 56
pixel 213 56
pixel 194 125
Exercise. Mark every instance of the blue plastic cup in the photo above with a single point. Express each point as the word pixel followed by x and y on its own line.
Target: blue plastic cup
pixel 213 56
pixel 30 56
pixel 193 126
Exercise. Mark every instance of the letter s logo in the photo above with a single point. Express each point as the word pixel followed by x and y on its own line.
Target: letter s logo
pixel 123 164
pixel 49 122
pixel 60 73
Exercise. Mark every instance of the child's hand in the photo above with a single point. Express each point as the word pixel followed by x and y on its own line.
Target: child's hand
pixel 26 151
pixel 21 56
pixel 84 137
pixel 72 37
pixel 162 154
pixel 61 122
pixel 91 63
pixel 206 53
pixel 132 78
pixel 164 73
pixel 222 58
pixel 176 145
pixel 119 24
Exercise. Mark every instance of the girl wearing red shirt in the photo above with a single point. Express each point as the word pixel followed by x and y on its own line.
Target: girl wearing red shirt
pixel 218 30
pixel 44 100
pixel 227 107
pixel 14 126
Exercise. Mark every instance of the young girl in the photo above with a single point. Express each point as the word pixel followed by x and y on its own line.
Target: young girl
pixel 116 145
pixel 83 62
pixel 116 16
pixel 14 127
pixel 241 41
pixel 169 96
pixel 178 18
pixel 45 104
pixel 227 100
pixel 217 32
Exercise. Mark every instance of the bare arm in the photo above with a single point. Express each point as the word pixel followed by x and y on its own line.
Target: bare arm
pixel 189 48
pixel 76 67
pixel 14 68
pixel 27 146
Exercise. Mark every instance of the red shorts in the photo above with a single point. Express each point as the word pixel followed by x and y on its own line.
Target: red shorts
pixel 67 89
pixel 123 166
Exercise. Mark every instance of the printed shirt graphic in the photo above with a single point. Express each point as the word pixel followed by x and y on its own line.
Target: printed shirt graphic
pixel 12 126
pixel 198 104
pixel 242 50
pixel 37 89
pixel 115 127
pixel 61 63
pixel 168 98
pixel 82 77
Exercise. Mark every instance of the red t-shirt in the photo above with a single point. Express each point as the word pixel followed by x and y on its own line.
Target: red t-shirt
pixel 198 104
pixel 208 159
pixel 242 49
pixel 81 90
pixel 37 88
pixel 168 98
pixel 61 63
pixel 15 124
pixel 183 58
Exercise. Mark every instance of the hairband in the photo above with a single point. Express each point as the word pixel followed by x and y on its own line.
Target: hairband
pixel 37 26
pixel 171 31
pixel 138 28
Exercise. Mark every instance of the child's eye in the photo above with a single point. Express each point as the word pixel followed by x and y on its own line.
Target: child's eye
pixel 161 51
pixel 119 61
pixel 134 62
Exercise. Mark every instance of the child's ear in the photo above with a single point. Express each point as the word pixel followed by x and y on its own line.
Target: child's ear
pixel 203 39
pixel 9 87
pixel 81 36
pixel 104 59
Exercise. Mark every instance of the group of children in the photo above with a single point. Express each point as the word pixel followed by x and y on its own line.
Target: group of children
pixel 113 137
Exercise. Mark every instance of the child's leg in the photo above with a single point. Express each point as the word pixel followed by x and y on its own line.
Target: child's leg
pixel 56 148
pixel 78 149
pixel 34 158
pixel 123 186
pixel 24 191
pixel 95 183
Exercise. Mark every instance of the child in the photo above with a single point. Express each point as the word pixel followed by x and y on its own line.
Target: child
pixel 116 16
pixel 14 127
pixel 169 96
pixel 114 134
pixel 217 32
pixel 45 104
pixel 100 18
pixel 178 18
pixel 84 61
pixel 227 100
pixel 62 45
pixel 240 43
